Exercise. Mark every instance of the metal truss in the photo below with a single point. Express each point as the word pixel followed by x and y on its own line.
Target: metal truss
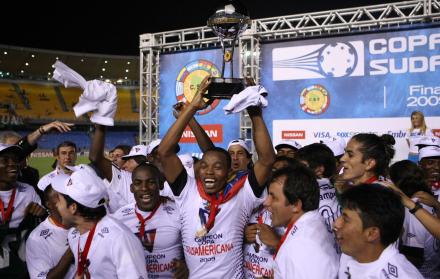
pixel 366 18
pixel 149 91
pixel 335 22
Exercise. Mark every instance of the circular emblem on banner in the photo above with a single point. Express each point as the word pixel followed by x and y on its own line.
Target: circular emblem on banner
pixel 314 99
pixel 189 79
pixel 338 59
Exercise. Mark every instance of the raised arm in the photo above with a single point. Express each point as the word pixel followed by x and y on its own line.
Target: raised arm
pixel 59 126
pixel 171 164
pixel 96 154
pixel 263 146
pixel 202 138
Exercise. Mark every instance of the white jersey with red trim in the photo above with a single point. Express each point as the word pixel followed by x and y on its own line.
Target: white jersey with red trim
pixel 115 252
pixel 162 241
pixel 258 258
pixel 44 248
pixel 390 264
pixel 307 251
pixel 416 235
pixel 25 194
pixel 219 254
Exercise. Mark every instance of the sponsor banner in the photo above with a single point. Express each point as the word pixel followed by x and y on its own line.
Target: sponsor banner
pixel 214 131
pixel 180 76
pixel 375 75
pixel 315 130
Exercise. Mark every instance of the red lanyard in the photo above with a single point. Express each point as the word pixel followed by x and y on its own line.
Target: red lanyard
pixel 286 233
pixel 82 256
pixel 260 216
pixel 6 217
pixel 215 202
pixel 371 180
pixel 142 221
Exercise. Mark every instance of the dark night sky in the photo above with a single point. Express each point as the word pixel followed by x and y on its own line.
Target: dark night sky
pixel 102 27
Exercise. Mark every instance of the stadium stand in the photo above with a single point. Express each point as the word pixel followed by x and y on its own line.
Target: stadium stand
pixel 49 101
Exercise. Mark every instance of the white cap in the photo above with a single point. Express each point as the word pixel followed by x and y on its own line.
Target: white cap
pixel 83 186
pixel 8 147
pixel 155 143
pixel 336 144
pixel 428 147
pixel 241 143
pixel 137 150
pixel 289 144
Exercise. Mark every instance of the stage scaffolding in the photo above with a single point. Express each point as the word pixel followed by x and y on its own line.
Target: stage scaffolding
pixel 334 22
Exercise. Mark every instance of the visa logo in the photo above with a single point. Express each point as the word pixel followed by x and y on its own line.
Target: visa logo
pixel 322 135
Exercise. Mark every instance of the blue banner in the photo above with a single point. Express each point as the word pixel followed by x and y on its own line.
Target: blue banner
pixel 180 75
pixel 363 76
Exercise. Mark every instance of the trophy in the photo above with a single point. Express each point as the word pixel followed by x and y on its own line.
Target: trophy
pixel 228 22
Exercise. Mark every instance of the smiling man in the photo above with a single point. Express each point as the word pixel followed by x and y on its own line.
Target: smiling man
pixel 215 207
pixel 371 221
pixel 306 248
pixel 155 221
pixel 19 205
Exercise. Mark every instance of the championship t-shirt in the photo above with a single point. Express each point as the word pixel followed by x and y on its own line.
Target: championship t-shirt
pixel 45 246
pixel 162 241
pixel 390 264
pixel 307 251
pixel 115 252
pixel 258 258
pixel 13 236
pixel 218 254
pixel 329 207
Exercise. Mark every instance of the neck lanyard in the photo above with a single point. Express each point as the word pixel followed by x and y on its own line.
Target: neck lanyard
pixel 142 221
pixel 215 201
pixel 371 180
pixel 6 217
pixel 286 233
pixel 82 256
pixel 56 223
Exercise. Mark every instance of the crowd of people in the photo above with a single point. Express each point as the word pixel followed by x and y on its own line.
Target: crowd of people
pixel 325 210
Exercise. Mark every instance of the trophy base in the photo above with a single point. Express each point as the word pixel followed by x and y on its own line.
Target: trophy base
pixel 224 88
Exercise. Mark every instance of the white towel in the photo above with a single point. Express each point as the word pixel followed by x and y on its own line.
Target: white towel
pixel 251 96
pixel 98 96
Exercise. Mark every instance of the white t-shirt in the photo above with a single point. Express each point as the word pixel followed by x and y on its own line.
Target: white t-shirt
pixel 219 254
pixel 162 240
pixel 258 258
pixel 25 194
pixel 416 235
pixel 46 180
pixel 45 246
pixel 329 207
pixel 115 251
pixel 414 137
pixel 119 189
pixel 307 251
pixel 390 264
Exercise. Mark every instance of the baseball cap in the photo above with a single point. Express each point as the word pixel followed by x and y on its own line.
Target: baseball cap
pixel 428 147
pixel 8 147
pixel 83 186
pixel 137 150
pixel 288 144
pixel 336 144
pixel 241 143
